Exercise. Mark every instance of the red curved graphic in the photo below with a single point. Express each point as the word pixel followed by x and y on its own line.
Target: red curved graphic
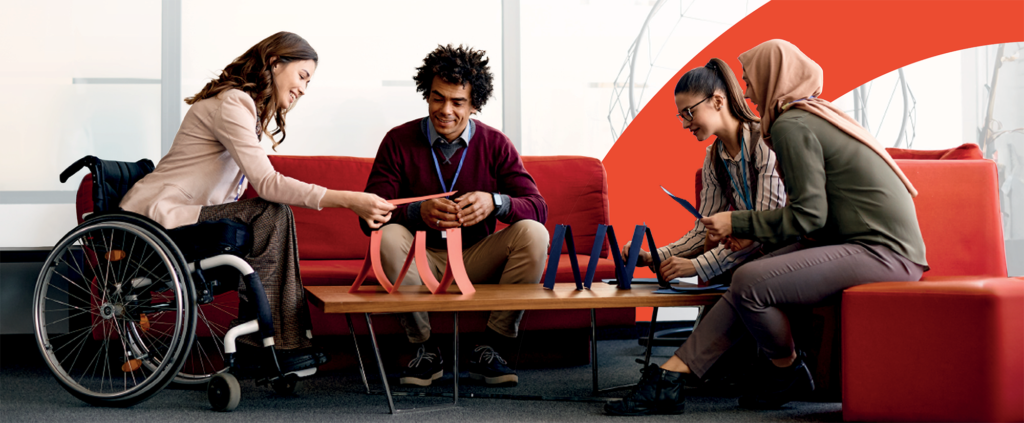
pixel 854 41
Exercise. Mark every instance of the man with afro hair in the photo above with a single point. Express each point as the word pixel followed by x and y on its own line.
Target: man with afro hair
pixel 449 151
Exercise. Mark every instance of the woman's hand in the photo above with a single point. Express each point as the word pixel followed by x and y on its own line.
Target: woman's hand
pixel 643 258
pixel 375 211
pixel 677 267
pixel 719 226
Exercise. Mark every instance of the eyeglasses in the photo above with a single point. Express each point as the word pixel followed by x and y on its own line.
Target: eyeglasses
pixel 687 114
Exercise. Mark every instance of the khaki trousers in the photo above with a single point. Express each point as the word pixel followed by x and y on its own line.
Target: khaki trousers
pixel 515 254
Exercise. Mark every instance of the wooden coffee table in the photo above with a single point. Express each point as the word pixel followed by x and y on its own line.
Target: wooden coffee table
pixel 371 300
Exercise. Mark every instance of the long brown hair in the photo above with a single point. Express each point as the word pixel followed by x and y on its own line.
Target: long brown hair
pixel 716 76
pixel 252 72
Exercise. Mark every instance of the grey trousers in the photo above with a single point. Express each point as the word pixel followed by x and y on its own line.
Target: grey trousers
pixel 792 275
pixel 515 254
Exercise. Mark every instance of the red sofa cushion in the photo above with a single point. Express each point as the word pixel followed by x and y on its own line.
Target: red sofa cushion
pixel 958 211
pixel 934 351
pixel 330 233
pixel 576 191
pixel 963 152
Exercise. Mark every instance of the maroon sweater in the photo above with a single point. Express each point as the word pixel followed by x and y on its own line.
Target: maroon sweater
pixel 405 168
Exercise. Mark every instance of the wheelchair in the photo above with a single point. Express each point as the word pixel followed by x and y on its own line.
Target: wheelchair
pixel 122 308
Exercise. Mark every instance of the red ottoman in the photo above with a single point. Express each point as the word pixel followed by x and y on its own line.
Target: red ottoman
pixel 934 351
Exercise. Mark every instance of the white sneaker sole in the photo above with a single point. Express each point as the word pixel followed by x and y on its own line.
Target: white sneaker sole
pixel 409 380
pixel 496 380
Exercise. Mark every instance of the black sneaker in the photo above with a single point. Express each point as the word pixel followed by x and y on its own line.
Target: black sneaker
pixel 424 368
pixel 659 392
pixel 488 367
pixel 777 386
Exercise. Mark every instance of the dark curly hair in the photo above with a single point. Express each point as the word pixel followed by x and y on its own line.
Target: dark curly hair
pixel 461 65
pixel 252 72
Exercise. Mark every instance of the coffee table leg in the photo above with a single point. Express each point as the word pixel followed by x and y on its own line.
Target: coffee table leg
pixel 593 349
pixel 380 364
pixel 359 355
pixel 455 365
pixel 650 338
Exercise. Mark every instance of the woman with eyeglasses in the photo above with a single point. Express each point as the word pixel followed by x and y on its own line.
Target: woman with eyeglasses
pixel 850 218
pixel 217 153
pixel 738 173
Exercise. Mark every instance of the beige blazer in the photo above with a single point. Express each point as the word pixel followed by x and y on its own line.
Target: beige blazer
pixel 215 145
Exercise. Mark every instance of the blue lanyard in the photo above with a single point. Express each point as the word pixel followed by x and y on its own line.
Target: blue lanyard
pixel 444 188
pixel 238 191
pixel 745 192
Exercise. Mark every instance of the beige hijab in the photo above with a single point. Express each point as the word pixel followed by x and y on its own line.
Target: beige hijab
pixel 781 76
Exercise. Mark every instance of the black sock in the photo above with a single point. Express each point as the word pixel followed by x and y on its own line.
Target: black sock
pixel 429 345
pixel 501 343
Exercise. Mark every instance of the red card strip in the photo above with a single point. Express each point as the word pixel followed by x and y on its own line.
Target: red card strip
pixel 399 201
pixel 423 263
pixel 456 267
pixel 405 268
pixel 363 271
pixel 372 261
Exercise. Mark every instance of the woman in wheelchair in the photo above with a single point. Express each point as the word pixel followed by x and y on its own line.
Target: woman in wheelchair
pixel 217 153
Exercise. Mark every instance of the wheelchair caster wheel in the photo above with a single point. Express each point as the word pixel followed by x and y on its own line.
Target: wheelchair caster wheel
pixel 224 392
pixel 286 385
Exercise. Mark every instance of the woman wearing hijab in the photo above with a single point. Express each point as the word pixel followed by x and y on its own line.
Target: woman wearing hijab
pixel 850 219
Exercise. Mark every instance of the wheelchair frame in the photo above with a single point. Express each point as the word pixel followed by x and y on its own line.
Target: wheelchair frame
pixel 117 309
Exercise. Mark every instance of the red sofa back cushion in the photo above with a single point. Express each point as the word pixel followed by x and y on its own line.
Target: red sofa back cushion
pixel 330 233
pixel 958 211
pixel 576 191
pixel 574 187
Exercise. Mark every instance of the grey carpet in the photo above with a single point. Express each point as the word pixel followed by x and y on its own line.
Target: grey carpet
pixel 29 393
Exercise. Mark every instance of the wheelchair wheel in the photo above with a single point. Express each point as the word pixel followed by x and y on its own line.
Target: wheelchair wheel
pixel 224 392
pixel 206 358
pixel 114 310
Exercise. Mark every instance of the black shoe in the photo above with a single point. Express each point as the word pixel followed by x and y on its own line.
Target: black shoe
pixel 424 368
pixel 300 359
pixel 250 360
pixel 659 392
pixel 487 366
pixel 777 386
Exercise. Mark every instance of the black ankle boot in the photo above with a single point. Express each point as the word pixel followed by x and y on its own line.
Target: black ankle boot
pixel 658 392
pixel 777 386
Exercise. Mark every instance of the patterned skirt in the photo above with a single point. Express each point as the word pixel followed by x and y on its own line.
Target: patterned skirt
pixel 275 258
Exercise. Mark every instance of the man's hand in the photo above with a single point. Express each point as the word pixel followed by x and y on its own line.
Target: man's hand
pixel 719 226
pixel 644 258
pixel 677 267
pixel 474 207
pixel 737 244
pixel 440 213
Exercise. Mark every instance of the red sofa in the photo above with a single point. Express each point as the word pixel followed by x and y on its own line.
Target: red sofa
pixel 951 347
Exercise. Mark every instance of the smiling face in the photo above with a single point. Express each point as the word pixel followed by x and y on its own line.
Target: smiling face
pixel 291 80
pixel 749 93
pixel 707 119
pixel 449 107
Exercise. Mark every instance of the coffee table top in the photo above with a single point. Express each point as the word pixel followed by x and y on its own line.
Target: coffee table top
pixel 373 299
